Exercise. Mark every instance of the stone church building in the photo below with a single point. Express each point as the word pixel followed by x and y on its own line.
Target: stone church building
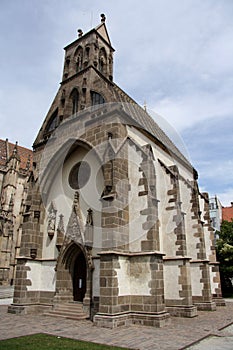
pixel 113 220
pixel 15 167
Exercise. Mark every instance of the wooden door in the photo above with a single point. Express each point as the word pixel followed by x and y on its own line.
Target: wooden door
pixel 79 277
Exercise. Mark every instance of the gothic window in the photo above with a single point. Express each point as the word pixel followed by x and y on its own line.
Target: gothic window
pixel 87 54
pixel 67 63
pixel 79 59
pixel 87 51
pixel 102 61
pixel 75 99
pixel 53 121
pixel 79 64
pixel 96 99
pixel 66 68
pixel 101 65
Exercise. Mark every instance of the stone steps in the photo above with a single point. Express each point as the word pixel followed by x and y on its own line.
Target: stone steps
pixel 73 311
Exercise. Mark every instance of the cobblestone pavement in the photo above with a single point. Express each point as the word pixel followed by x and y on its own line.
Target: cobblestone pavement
pixel 181 333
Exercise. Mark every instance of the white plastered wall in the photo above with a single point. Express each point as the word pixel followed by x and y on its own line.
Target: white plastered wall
pixel 207 236
pixel 42 275
pixel 213 285
pixel 62 196
pixel 133 278
pixel 171 280
pixel 167 224
pixel 136 202
pixel 197 286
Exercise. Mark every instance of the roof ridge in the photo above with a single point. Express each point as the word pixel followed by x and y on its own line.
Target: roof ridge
pixel 151 126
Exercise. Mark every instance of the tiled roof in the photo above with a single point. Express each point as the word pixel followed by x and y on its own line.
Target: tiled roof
pixel 145 121
pixel 227 213
pixel 23 153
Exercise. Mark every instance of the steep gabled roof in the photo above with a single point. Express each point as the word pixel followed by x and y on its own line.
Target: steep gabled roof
pixel 6 150
pixel 146 122
pixel 102 30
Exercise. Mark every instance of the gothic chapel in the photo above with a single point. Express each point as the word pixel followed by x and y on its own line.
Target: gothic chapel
pixel 114 227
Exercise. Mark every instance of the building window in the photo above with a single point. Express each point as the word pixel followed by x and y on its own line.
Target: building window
pixel 79 59
pixel 96 99
pixel 75 100
pixel 212 206
pixel 53 121
pixel 79 175
pixel 79 64
pixel 214 222
pixel 87 52
pixel 102 61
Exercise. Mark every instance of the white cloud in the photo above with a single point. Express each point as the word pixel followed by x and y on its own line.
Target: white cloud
pixel 185 111
pixel 220 171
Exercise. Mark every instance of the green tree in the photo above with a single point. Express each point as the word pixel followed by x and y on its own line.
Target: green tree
pixel 224 248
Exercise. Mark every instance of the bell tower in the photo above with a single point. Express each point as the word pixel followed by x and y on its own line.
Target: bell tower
pixel 87 78
pixel 92 49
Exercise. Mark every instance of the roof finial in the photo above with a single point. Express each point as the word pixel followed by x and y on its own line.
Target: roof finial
pixel 80 33
pixel 15 150
pixel 28 165
pixel 145 106
pixel 103 17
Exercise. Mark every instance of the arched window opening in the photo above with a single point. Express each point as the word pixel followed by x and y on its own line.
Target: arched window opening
pixel 53 122
pixel 67 62
pixel 79 64
pixel 102 61
pixel 101 65
pixel 96 98
pixel 75 100
pixel 87 52
pixel 78 56
pixel 86 57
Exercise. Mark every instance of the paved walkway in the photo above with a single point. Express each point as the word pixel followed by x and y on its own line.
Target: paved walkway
pixel 181 333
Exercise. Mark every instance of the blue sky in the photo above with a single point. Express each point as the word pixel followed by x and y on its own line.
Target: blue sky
pixel 175 55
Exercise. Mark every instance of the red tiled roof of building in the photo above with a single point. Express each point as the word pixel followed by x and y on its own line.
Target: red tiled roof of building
pixel 6 150
pixel 227 213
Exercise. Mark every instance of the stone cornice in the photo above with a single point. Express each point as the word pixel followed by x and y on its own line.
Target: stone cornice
pixel 130 254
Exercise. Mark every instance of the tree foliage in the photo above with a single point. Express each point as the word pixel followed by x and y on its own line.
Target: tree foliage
pixel 224 249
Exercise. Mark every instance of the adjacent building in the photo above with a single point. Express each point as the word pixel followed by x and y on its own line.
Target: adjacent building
pixel 215 215
pixel 15 166
pixel 227 213
pixel 113 219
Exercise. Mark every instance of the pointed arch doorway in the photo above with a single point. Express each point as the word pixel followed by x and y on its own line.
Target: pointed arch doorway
pixel 79 277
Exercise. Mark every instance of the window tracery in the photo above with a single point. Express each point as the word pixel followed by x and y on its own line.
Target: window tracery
pixel 96 98
pixel 53 121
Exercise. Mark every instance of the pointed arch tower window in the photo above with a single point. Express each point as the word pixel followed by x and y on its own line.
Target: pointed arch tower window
pixel 78 56
pixel 75 101
pixel 102 61
pixel 87 56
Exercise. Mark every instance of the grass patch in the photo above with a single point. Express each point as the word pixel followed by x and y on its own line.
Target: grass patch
pixel 228 295
pixel 50 342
